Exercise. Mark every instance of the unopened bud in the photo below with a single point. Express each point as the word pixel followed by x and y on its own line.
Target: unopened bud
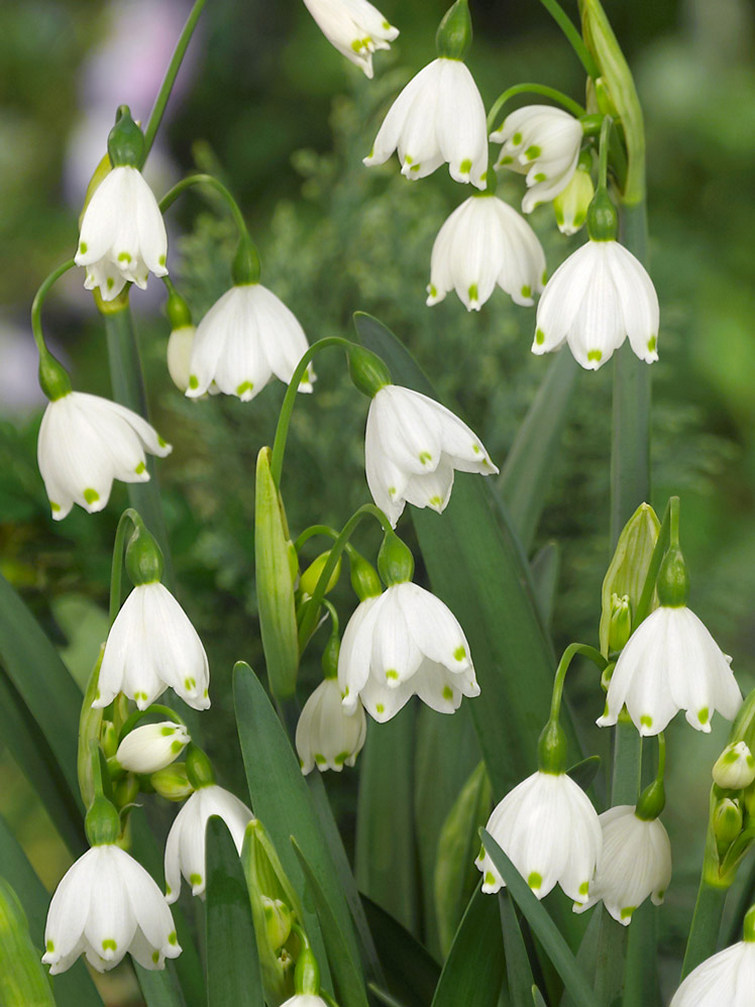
pixel 620 625
pixel 727 823
pixel 152 747
pixel 180 345
pixel 172 783
pixel 734 769
pixel 308 580
pixel 108 738
pixel 277 922
pixel 571 204
pixel 629 566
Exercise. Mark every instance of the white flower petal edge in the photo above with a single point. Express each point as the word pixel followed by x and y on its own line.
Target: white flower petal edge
pixel 671 663
pixel 482 243
pixel 354 27
pixel 247 337
pixel 725 978
pixel 542 142
pixel 550 831
pixel 305 1000
pixel 402 643
pixel 328 735
pixel 122 234
pixel 438 117
pixel 635 862
pixel 106 905
pixel 596 298
pixel 153 646
pixel 412 446
pixel 85 442
pixel 185 846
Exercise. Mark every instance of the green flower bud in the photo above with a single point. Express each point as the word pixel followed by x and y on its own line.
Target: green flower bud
pixel 308 580
pixel 144 558
pixel 551 749
pixel 125 144
pixel 172 783
pixel 198 767
pixel 102 823
pixel 673 579
pixel 180 346
pixel 23 982
pixel 367 370
pixel 620 623
pixel 734 769
pixel 572 203
pixel 126 790
pixel 602 218
pixel 727 823
pixel 53 377
pixel 108 739
pixel 246 263
pixel 364 579
pixel 277 922
pixel 276 564
pixel 454 35
pixel 628 569
pixel 395 560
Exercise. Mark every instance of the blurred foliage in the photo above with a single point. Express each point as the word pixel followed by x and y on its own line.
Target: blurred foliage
pixel 284 120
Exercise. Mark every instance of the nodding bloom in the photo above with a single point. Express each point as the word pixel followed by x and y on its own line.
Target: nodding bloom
pixel 671 663
pixel 550 831
pixel 438 117
pixel 354 27
pixel 596 298
pixel 327 735
pixel 483 243
pixel 85 442
pixel 153 646
pixel 105 906
pixel 635 862
pixel 185 846
pixel 541 142
pixel 412 446
pixel 401 643
pixel 725 978
pixel 246 338
pixel 123 235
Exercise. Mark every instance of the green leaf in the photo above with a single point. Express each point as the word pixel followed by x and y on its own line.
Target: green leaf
pixel 518 968
pixel 233 968
pixel 584 772
pixel 526 476
pixel 545 567
pixel 474 971
pixel 73 988
pixel 542 925
pixel 347 977
pixel 385 853
pixel 537 998
pixel 413 973
pixel 23 979
pixel 160 988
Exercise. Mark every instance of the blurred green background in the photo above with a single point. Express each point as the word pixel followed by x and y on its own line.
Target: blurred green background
pixel 267 104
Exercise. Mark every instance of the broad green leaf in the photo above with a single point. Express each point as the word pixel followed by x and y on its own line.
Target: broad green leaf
pixel 474 971
pixel 583 773
pixel 347 977
pixel 542 926
pixel 545 567
pixel 23 979
pixel 641 981
pixel 456 876
pixel 412 972
pixel 537 998
pixel 233 968
pixel 160 988
pixel 73 988
pixel 386 857
pixel 518 968
pixel 526 476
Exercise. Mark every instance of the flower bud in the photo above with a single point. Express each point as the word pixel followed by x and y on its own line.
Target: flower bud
pixel 395 560
pixel 277 922
pixel 364 579
pixel 454 35
pixel 572 203
pixel 152 747
pixel 673 579
pixel 23 982
pixel 144 558
pixel 172 783
pixel 734 769
pixel 125 144
pixel 308 580
pixel 727 823
pixel 620 624
pixel 180 346
pixel 108 738
pixel 367 370
pixel 628 568
pixel 602 218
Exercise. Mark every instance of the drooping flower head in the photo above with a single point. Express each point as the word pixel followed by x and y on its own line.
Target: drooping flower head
pixel 354 27
pixel 327 735
pixel 483 243
pixel 541 142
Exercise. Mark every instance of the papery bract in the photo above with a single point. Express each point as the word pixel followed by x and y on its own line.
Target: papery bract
pixel 354 27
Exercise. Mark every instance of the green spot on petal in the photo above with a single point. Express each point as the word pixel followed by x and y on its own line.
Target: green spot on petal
pixel 584 888
pixel 155 957
pixel 189 684
pixel 408 159
pixel 109 945
pixel 193 381
pixel 195 879
pixel 507 159
pixel 540 177
pixel 435 501
pixel 539 337
pixel 626 912
pixel 50 946
pixel 54 507
pixel 391 491
pixel 532 152
pixel 141 695
pixel 176 746
pixel 245 386
pixel 526 290
pixel 596 355
pixel 320 758
pixel 516 139
pixel 168 890
pixel 91 496
pixel 124 257
pixel 110 283
pixel 391 674
pixel 652 343
pixel 161 442
pixel 466 166
pixel 544 278
pixel 380 708
pixel 172 939
pixel 415 167
pixel 646 720
pixel 425 457
pixel 141 467
pixel 474 293
pixel 535 880
pixel 161 260
pixel 83 247
pixel 703 715
pixel 341 758
pixel 460 653
pixel 476 448
pixel 448 692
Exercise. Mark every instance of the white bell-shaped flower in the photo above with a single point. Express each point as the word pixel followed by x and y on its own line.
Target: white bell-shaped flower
pixel 106 905
pixel 726 979
pixel 185 846
pixel 541 142
pixel 671 663
pixel 354 27
pixel 327 735
pixel 550 831
pixel 412 446
pixel 401 643
pixel 635 862
pixel 597 297
pixel 438 117
pixel 153 646
pixel 246 338
pixel 85 442
pixel 123 235
pixel 482 243
pixel 152 747
pixel 305 1000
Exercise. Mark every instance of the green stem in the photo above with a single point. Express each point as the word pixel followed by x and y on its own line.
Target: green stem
pixel 212 183
pixel 585 650
pixel 314 529
pixel 627 762
pixel 132 517
pixel 548 92
pixel 573 36
pixel 706 923
pixel 604 143
pixel 171 73
pixel 39 300
pixel 284 420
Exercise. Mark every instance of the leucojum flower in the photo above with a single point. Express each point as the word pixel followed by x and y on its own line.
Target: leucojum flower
pixel 439 117
pixel 725 978
pixel 483 243
pixel 152 747
pixel 123 235
pixel 327 735
pixel 354 27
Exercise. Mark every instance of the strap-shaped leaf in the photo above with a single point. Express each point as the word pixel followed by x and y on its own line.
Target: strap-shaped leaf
pixel 542 926
pixel 160 988
pixel 347 975
pixel 412 973
pixel 474 970
pixel 545 568
pixel 233 968
pixel 518 970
